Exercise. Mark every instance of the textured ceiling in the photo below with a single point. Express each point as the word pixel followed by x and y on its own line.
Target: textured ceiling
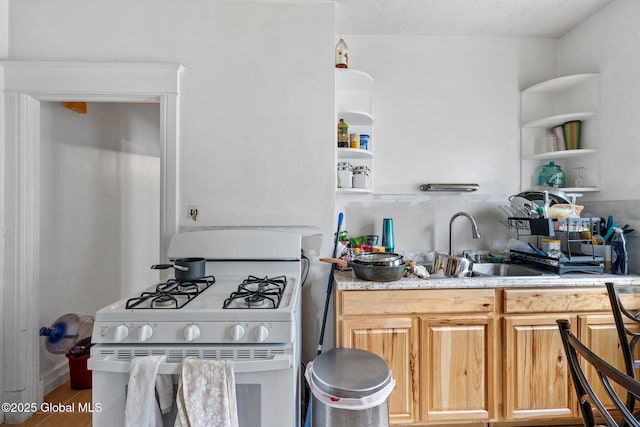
pixel 491 18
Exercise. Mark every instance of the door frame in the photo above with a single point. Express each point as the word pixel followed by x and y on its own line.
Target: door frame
pixel 25 85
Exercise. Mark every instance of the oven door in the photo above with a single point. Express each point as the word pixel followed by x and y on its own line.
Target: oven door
pixel 267 390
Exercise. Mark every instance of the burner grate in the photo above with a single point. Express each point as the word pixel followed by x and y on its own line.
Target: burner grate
pixel 172 294
pixel 257 293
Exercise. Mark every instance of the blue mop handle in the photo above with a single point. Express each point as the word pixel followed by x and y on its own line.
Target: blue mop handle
pixel 335 242
pixel 307 419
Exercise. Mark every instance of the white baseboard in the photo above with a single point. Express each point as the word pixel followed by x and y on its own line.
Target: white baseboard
pixel 55 377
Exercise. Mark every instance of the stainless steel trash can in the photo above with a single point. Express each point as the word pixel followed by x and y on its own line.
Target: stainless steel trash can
pixel 350 388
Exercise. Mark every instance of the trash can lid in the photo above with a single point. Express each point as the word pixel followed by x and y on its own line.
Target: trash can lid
pixel 350 372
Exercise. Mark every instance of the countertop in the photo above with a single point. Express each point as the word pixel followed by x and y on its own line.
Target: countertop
pixel 347 281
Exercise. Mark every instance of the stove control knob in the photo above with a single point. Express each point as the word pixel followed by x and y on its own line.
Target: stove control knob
pixel 144 332
pixel 191 332
pixel 261 333
pixel 237 332
pixel 120 333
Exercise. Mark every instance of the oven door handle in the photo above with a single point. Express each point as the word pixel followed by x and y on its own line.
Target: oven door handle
pixel 276 363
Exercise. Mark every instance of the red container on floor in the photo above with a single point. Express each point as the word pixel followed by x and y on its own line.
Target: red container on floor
pixel 79 375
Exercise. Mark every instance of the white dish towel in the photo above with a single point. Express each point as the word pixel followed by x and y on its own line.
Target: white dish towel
pixel 141 407
pixel 207 394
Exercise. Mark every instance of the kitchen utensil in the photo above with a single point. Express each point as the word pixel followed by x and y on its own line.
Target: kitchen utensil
pixel 536 250
pixel 521 202
pixel 537 195
pixel 307 419
pixel 383 259
pixel 609 222
pixel 373 273
pixel 610 231
pixel 185 268
pixel 452 266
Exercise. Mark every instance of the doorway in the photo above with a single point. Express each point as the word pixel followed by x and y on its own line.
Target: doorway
pixel 99 211
pixel 28 84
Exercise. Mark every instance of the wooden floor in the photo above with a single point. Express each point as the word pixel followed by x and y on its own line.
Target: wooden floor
pixel 69 399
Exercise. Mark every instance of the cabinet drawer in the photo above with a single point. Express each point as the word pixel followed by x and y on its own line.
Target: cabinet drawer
pixel 413 301
pixel 556 300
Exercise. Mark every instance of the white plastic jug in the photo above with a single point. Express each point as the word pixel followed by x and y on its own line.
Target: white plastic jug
pixel 66 331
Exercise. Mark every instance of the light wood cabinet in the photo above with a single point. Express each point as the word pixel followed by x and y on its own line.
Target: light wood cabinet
pixel 455 359
pixel 536 373
pixel 395 339
pixel 598 332
pixel 478 356
pixel 439 345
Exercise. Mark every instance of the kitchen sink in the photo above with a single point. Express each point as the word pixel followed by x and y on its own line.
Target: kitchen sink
pixel 511 270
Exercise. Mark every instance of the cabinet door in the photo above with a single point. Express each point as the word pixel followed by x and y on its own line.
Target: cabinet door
pixel 598 332
pixel 458 374
pixel 536 373
pixel 395 340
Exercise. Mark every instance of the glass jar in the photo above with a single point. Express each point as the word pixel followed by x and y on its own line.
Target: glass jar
pixel 551 175
pixel 345 175
pixel 361 177
pixel 354 140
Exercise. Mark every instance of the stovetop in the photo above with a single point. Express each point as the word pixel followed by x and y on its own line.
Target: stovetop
pixel 207 306
pixel 250 294
pixel 257 293
pixel 172 293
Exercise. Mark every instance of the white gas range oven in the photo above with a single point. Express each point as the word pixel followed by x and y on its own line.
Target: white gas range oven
pixel 246 308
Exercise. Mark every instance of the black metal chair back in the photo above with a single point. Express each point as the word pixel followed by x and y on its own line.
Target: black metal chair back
pixel 628 338
pixel 608 376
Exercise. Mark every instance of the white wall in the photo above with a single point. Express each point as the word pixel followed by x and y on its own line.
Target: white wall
pixel 608 43
pixel 4 28
pixel 256 102
pixel 100 198
pixel 446 109
pixel 4 51
pixel 256 94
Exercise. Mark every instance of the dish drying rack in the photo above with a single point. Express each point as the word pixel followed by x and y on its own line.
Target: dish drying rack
pixel 575 234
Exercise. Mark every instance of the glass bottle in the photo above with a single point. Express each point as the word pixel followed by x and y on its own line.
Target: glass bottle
pixel 342 55
pixel 343 134
pixel 619 255
pixel 388 240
